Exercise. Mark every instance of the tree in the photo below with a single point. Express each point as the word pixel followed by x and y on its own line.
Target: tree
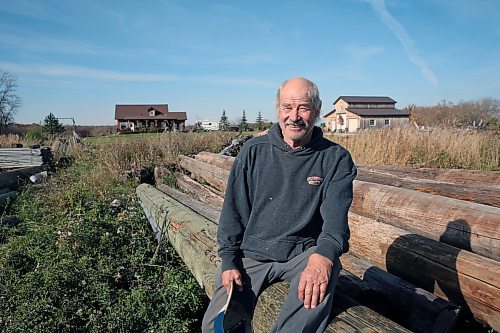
pixel 223 122
pixel 52 124
pixel 258 122
pixel 9 101
pixel 243 123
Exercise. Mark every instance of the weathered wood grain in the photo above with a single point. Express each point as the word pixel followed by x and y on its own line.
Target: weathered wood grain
pixel 207 210
pixel 465 278
pixel 213 175
pixel 456 176
pixel 466 225
pixel 201 192
pixel 485 195
pixel 222 161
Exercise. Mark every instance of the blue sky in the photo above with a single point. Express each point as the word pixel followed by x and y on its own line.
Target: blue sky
pixel 80 58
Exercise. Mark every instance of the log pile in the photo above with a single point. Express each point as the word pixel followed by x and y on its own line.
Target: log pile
pixel 424 243
pixel 11 158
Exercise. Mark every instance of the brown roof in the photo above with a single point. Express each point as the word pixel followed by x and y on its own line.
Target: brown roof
pixel 329 113
pixel 141 111
pixel 366 99
pixel 379 112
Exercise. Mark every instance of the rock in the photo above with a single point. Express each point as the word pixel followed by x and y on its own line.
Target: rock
pixel 39 177
pixel 115 204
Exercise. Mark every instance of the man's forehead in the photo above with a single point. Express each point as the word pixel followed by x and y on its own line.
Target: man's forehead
pixel 294 100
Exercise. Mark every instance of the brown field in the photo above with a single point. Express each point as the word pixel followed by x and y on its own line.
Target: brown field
pixel 439 148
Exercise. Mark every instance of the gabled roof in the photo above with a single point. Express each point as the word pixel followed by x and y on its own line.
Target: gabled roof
pixel 378 112
pixel 366 99
pixel 329 113
pixel 141 111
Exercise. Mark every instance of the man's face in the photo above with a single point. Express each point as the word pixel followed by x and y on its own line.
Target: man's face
pixel 296 115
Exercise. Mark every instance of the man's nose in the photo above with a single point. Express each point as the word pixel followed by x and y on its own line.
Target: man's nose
pixel 294 115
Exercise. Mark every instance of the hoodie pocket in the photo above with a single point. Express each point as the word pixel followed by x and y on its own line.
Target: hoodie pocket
pixel 280 250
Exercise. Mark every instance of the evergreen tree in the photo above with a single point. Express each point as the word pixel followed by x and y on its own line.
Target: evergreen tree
pixel 243 123
pixel 52 124
pixel 258 122
pixel 223 122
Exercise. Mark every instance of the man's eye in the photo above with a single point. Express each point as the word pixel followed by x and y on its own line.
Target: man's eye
pixel 304 109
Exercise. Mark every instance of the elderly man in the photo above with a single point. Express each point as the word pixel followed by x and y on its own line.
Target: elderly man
pixel 285 216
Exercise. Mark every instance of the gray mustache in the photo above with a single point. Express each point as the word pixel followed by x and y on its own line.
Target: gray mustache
pixel 298 122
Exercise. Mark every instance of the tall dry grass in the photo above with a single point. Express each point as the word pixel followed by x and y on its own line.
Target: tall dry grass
pixel 111 159
pixel 439 148
pixel 6 141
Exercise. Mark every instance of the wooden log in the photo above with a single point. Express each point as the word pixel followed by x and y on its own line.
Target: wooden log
pixel 483 195
pixel 465 278
pixel 192 237
pixel 466 225
pixel 213 175
pixel 222 161
pixel 405 178
pixel 474 269
pixel 455 176
pixel 12 179
pixel 412 307
pixel 206 210
pixel 201 192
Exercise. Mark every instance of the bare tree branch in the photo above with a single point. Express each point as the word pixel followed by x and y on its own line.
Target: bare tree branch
pixel 9 101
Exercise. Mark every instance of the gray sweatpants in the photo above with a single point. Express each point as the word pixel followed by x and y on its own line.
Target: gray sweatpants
pixel 293 317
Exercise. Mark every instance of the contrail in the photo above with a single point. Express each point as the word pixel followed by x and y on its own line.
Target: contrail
pixel 404 38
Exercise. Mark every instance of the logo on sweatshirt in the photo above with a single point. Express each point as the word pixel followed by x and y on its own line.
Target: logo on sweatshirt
pixel 314 180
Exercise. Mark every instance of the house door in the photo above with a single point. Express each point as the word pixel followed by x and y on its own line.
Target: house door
pixel 353 125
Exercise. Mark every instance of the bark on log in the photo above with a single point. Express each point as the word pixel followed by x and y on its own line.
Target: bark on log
pixel 482 195
pixel 465 278
pixel 213 175
pixel 463 185
pixel 456 176
pixel 207 210
pixel 193 238
pixel 201 192
pixel 465 225
pixel 414 308
pixel 222 161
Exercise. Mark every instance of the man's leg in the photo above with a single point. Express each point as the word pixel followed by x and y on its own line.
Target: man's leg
pixel 294 318
pixel 255 276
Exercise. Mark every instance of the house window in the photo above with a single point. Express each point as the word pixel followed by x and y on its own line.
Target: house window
pixel 372 122
pixel 152 113
pixel 387 122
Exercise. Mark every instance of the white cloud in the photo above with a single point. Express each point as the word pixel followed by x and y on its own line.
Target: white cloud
pixel 404 38
pixel 61 70
pixel 46 44
pixel 362 52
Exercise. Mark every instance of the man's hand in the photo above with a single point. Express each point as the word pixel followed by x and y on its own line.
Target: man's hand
pixel 232 275
pixel 313 283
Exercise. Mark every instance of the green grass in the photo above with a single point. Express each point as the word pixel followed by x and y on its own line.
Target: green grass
pixel 74 264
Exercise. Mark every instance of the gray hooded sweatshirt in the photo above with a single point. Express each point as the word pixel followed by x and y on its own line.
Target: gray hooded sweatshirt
pixel 280 201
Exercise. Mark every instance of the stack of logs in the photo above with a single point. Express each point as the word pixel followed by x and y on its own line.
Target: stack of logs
pixel 19 164
pixel 424 248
